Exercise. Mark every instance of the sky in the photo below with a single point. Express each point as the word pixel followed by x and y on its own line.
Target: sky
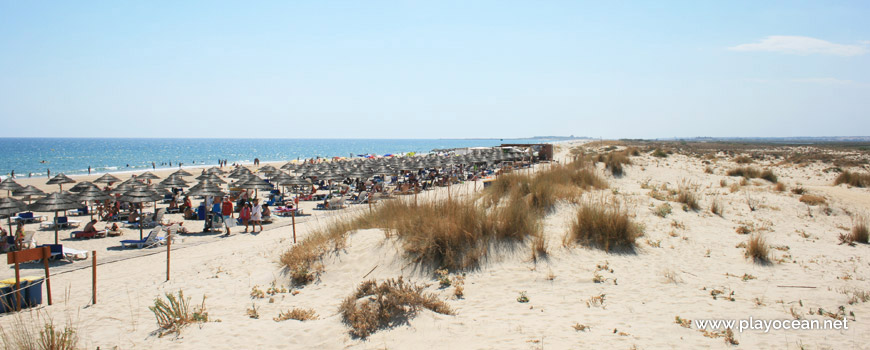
pixel 434 69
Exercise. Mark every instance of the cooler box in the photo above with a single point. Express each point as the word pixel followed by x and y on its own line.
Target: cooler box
pixel 7 300
pixel 31 291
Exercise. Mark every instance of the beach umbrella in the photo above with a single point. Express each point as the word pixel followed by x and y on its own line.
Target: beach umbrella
pixel 181 172
pixel 92 194
pixel 254 183
pixel 28 191
pixel 9 185
pixel 211 178
pixel 140 194
pixel 214 170
pixel 9 206
pixel 107 179
pixel 59 180
pixel 267 169
pixel 207 190
pixel 57 201
pixel 147 176
pixel 81 186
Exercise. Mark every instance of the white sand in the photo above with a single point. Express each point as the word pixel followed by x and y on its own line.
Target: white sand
pixel 640 303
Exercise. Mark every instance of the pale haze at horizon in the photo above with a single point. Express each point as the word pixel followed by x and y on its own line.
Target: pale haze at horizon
pixel 414 69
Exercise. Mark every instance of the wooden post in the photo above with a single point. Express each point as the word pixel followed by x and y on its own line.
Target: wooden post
pixel 46 253
pixel 294 223
pixel 17 283
pixel 168 250
pixel 94 276
pixel 55 227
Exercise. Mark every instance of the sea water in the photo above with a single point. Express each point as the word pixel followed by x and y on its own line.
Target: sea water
pixel 35 156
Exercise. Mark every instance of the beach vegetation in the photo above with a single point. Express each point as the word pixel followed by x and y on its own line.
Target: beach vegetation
pixel 374 306
pixel 174 313
pixel 603 223
pixel 853 179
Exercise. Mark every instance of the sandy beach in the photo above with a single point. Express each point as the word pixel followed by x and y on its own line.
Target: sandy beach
pixel 687 265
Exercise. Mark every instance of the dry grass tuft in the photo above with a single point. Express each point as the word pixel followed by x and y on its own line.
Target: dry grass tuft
pixel 779 187
pixel 743 160
pixel 539 247
pixel 853 179
pixel 753 173
pixel 757 249
pixel 374 306
pixel 859 232
pixel 37 331
pixel 810 199
pixel 604 224
pixel 296 314
pixel 663 210
pixel 175 313
pixel 688 195
pixel 716 207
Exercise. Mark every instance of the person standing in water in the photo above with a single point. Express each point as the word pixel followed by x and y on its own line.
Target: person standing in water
pixel 89 169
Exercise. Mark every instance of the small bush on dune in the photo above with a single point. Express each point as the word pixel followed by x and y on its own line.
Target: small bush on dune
pixel 296 314
pixel 717 208
pixel 659 153
pixel 38 332
pixel 757 249
pixel 859 230
pixel 175 313
pixel 603 224
pixel 615 161
pixel 663 210
pixel 753 173
pixel 688 195
pixel 780 187
pixel 374 306
pixel 810 199
pixel 853 179
pixel 743 160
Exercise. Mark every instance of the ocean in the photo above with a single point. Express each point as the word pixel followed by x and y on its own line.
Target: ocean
pixel 105 155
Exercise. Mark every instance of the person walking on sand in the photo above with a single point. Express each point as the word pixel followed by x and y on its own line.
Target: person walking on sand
pixel 227 212
pixel 245 214
pixel 256 216
pixel 89 169
pixel 48 171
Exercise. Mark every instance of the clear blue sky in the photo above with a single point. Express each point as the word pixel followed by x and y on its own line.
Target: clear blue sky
pixel 431 69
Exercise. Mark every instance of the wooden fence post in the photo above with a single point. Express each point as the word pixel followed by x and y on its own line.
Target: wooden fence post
pixel 94 276
pixel 46 253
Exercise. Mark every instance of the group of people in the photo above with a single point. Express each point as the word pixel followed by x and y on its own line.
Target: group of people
pixel 10 243
pixel 251 213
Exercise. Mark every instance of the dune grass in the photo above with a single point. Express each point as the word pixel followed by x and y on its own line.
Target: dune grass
pixel 687 194
pixel 853 179
pixel 175 313
pixel 37 330
pixel 603 223
pixel 757 249
pixel 859 232
pixel 749 172
pixel 811 199
pixel 298 314
pixel 393 302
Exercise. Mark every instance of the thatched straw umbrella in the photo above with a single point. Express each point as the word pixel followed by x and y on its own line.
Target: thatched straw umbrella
pixel 107 179
pixel 9 206
pixel 92 194
pixel 139 194
pixel 27 192
pixel 59 180
pixel 9 185
pixel 181 172
pixel 57 201
pixel 81 186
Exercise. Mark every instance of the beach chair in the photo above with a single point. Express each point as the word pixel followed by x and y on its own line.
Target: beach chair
pixel 28 217
pixel 336 203
pixel 29 241
pixel 151 240
pixel 78 212
pixel 61 221
pixel 82 234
